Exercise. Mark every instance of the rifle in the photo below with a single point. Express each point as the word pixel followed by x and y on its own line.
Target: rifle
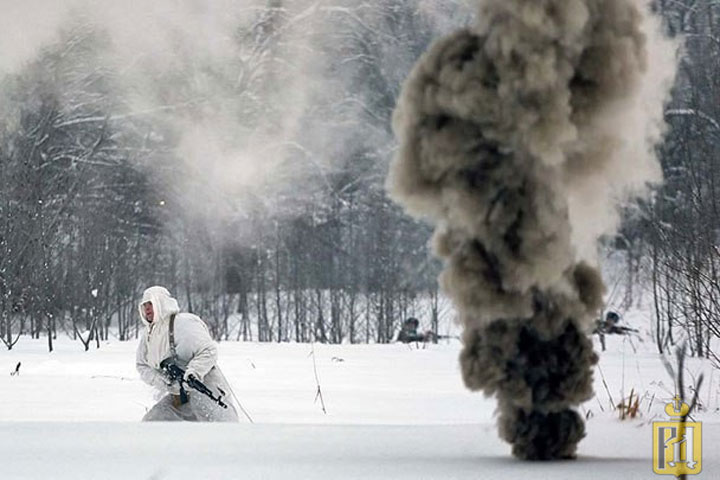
pixel 175 373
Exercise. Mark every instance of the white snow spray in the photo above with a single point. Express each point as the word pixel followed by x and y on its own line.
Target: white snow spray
pixel 237 89
pixel 225 84
pixel 518 137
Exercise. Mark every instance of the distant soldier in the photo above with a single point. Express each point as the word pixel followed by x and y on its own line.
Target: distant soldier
pixel 408 333
pixel 611 325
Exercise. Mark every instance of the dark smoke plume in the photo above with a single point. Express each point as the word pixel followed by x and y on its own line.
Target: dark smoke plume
pixel 516 136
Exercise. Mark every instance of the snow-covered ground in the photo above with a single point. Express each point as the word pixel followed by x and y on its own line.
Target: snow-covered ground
pixel 393 411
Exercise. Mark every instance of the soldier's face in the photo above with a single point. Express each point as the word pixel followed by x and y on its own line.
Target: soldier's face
pixel 149 312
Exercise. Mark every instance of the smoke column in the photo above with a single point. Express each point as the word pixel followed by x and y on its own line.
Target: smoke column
pixel 517 139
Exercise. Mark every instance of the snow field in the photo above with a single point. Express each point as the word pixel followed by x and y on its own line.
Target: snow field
pixel 393 411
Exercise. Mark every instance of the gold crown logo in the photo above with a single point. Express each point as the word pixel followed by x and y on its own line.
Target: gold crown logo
pixel 677 408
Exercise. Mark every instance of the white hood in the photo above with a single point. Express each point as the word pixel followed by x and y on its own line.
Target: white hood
pixel 163 304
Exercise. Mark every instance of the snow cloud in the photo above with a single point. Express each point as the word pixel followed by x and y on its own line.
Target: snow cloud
pixel 227 90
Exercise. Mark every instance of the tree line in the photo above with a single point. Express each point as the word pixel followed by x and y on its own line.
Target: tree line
pixel 670 241
pixel 97 202
pixel 96 205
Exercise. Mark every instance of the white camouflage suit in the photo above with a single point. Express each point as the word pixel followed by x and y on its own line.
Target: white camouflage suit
pixel 196 354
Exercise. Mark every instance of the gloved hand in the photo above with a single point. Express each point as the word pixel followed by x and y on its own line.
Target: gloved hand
pixel 190 373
